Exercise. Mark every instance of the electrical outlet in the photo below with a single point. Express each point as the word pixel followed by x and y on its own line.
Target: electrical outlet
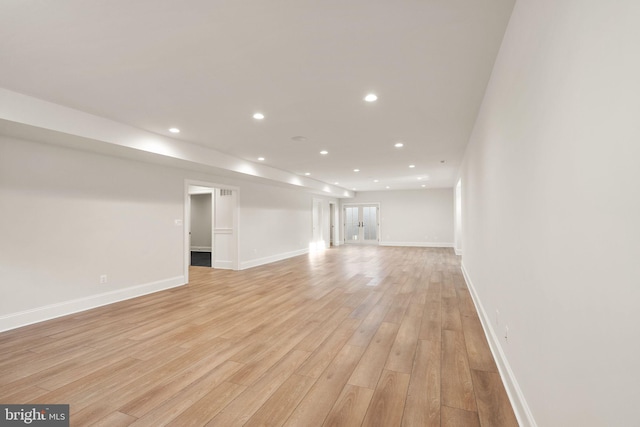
pixel 103 279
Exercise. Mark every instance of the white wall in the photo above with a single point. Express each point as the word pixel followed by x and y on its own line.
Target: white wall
pixel 276 221
pixel 458 218
pixel 68 216
pixel 201 218
pixel 551 227
pixel 412 217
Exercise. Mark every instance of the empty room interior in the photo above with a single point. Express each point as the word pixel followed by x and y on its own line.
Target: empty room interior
pixel 415 213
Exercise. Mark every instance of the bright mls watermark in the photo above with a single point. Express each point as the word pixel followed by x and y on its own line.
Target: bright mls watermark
pixel 34 415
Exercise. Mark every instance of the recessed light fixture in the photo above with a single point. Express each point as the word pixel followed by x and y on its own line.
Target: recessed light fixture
pixel 307 173
pixel 261 159
pixel 398 145
pixel 412 166
pixel 354 188
pixel 419 178
pixel 336 183
pixel 372 97
pixel 356 170
pixel 174 130
pixel 424 185
pixel 375 180
pixel 324 152
pixel 258 116
pixel 387 187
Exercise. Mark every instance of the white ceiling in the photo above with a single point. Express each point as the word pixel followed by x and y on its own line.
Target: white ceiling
pixel 206 66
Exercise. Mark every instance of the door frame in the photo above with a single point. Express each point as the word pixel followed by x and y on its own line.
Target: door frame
pixel 333 230
pixel 343 225
pixel 235 251
pixel 211 192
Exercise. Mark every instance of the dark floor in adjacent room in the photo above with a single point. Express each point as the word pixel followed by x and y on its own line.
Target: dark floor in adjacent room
pixel 201 259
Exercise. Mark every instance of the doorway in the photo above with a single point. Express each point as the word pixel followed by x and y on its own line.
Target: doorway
pixel 361 224
pixel 201 226
pixel 332 225
pixel 211 229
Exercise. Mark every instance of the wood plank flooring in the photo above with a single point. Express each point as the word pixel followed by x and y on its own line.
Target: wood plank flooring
pixel 371 336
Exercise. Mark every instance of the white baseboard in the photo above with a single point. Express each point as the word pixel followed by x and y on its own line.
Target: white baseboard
pixel 273 258
pixel 419 244
pixel 47 312
pixel 518 402
pixel 224 265
pixel 200 248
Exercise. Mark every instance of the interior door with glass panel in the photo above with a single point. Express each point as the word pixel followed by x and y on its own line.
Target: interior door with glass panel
pixel 361 224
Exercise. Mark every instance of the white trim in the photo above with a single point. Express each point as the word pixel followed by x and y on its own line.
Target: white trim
pixel 520 406
pixel 457 251
pixel 223 230
pixel 200 248
pixel 273 258
pixel 419 244
pixel 223 265
pixel 48 312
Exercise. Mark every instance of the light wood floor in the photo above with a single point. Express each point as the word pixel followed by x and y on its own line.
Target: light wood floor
pixel 372 336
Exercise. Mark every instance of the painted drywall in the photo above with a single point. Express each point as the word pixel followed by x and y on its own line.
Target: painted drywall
pixel 70 216
pixel 550 211
pixel 201 219
pixel 275 220
pixel 19 112
pixel 412 217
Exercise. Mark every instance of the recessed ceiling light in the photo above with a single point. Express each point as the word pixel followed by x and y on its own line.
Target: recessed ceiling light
pixel 387 187
pixel 356 170
pixel 419 178
pixel 354 188
pixel 261 159
pixel 412 166
pixel 307 173
pixel 324 152
pixel 336 183
pixel 174 130
pixel 398 145
pixel 424 185
pixel 258 116
pixel 372 97
pixel 375 180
